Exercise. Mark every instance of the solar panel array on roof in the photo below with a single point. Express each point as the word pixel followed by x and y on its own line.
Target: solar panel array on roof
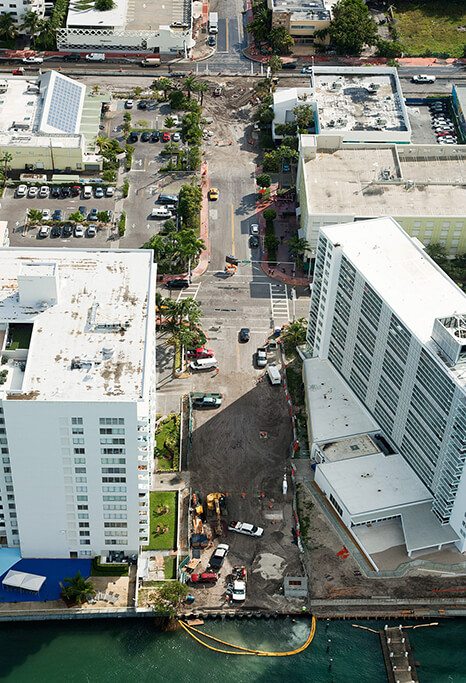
pixel 64 105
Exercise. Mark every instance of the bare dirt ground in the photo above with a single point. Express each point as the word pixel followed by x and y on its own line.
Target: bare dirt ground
pixel 332 577
pixel 229 456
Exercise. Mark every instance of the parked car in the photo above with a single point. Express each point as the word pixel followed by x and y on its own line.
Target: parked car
pixel 55 231
pixel 65 192
pixel 244 334
pixel 67 230
pixel 289 65
pixel 205 577
pixel 286 167
pixel 109 191
pixel 43 231
pixel 423 78
pixel 72 57
pixel 166 137
pixel 200 352
pixel 91 231
pixel 306 70
pixel 82 210
pixel 57 215
pixel 44 191
pixel 254 242
pixel 99 192
pixel 211 41
pixel 204 364
pixel 33 192
pixel 129 104
pixel 155 136
pixel 218 557
pixel 261 357
pixel 93 215
pixel 55 192
pixel 237 590
pixel 211 400
pixel 213 194
pixel 18 72
pixel 21 190
pixel 133 137
pixel 145 137
pixel 79 230
pixel 32 60
pixel 246 529
pixel 176 137
pixel 177 284
pixel 46 214
pixel 254 229
pixel 167 199
pixel 142 104
pixel 75 190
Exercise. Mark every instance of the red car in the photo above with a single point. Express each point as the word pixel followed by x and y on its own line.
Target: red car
pixel 206 577
pixel 166 137
pixel 201 352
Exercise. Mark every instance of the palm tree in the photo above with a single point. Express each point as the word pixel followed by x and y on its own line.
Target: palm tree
pixel 298 245
pixel 31 23
pixel 187 246
pixel 76 590
pixel 6 160
pixel 164 84
pixel 201 88
pixel 190 84
pixel 35 216
pixel 8 29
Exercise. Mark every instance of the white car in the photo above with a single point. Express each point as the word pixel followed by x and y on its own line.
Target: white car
pixel 245 528
pixel 21 190
pixel 129 104
pixel 254 229
pixel 32 60
pixel 46 214
pixel 43 231
pixel 79 230
pixel 33 192
pixel 306 70
pixel 44 191
pixel 422 78
pixel 109 191
pixel 176 137
pixel 238 591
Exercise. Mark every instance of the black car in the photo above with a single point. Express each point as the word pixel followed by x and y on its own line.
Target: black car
pixel 67 230
pixel 218 557
pixel 145 137
pixel 55 231
pixel 253 241
pixel 142 104
pixel 211 41
pixel 177 284
pixel 155 136
pixel 55 192
pixel 244 334
pixel 133 137
pixel 72 57
pixel 82 210
pixel 232 259
pixel 289 65
pixel 65 192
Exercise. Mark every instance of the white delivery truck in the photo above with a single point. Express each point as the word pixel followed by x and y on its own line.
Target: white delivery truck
pixel 151 61
pixel 213 22
pixel 274 374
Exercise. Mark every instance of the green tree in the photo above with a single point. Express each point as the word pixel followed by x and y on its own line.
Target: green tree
pixel 169 226
pixel 103 5
pixel 304 115
pixel 191 128
pixel 8 30
pixel 389 48
pixel 177 100
pixel 169 122
pixel 264 180
pixel 164 84
pixel 6 160
pixel 167 599
pixel 200 89
pixel 266 115
pixel 46 38
pixel 76 217
pixel 187 247
pixel 294 335
pixel 31 23
pixel 76 590
pixel 274 64
pixel 352 27
pixel 189 206
pixel 261 24
pixel 280 40
pixel 297 247
pixel 137 92
pixel 194 158
pixel 269 214
pixel 34 216
pixel 189 84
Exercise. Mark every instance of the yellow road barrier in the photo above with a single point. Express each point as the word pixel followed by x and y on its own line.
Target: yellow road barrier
pixel 239 650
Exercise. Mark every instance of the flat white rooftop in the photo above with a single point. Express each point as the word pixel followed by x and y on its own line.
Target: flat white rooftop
pixel 334 411
pixel 374 482
pixel 91 17
pixel 397 268
pixel 359 99
pixel 91 344
pixel 145 15
pixel 411 180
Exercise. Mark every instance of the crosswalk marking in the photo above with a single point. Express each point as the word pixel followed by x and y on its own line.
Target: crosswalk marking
pixel 189 292
pixel 279 303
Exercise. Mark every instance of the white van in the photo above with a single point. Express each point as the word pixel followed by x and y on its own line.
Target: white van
pixel 95 57
pixel 161 212
pixel 204 363
pixel 87 192
pixel 274 374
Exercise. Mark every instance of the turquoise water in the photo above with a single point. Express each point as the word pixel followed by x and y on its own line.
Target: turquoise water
pixel 126 650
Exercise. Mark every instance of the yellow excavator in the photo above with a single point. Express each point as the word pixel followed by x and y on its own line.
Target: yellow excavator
pixel 215 501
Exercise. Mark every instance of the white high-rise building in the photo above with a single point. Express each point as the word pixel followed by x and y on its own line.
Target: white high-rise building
pixel 18 8
pixel 77 400
pixel 393 325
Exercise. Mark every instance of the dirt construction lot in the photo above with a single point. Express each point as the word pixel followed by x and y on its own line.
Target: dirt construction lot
pixel 229 455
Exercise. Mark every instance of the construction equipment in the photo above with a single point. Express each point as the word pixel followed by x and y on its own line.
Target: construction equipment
pixel 215 502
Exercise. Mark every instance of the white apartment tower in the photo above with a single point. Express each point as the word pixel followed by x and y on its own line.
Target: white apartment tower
pixel 394 326
pixel 77 398
pixel 18 8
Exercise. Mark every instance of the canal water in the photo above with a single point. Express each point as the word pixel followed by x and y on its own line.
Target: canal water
pixel 117 651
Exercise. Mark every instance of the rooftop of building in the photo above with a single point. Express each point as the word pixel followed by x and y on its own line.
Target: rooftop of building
pixel 411 180
pixel 88 337
pixel 375 482
pixel 398 269
pixel 351 447
pixel 144 15
pixel 460 91
pixel 304 9
pixel 335 412
pixel 359 99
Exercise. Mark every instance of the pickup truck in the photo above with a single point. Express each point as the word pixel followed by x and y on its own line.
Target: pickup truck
pixel 245 528
pixel 206 400
pixel 261 357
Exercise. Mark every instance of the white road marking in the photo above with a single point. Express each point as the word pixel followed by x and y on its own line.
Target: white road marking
pixel 189 292
pixel 279 303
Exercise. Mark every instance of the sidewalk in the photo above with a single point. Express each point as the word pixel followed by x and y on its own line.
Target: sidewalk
pixel 204 258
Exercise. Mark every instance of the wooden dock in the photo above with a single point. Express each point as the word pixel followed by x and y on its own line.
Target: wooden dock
pixel 397 654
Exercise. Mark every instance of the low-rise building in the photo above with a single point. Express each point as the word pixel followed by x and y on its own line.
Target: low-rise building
pixel 351 104
pixel 302 19
pixel 422 186
pixel 49 122
pixel 149 26
pixel 18 8
pixel 77 400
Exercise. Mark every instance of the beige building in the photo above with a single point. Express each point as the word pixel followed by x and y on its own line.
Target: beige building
pixel 421 186
pixel 302 19
pixel 49 123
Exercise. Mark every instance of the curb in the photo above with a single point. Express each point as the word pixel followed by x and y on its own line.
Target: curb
pixel 204 258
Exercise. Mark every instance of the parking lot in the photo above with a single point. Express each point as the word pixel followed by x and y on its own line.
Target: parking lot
pixel 425 130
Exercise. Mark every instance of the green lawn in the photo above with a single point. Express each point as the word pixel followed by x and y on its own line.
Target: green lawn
pixel 167 442
pixel 162 535
pixel 170 567
pixel 427 27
